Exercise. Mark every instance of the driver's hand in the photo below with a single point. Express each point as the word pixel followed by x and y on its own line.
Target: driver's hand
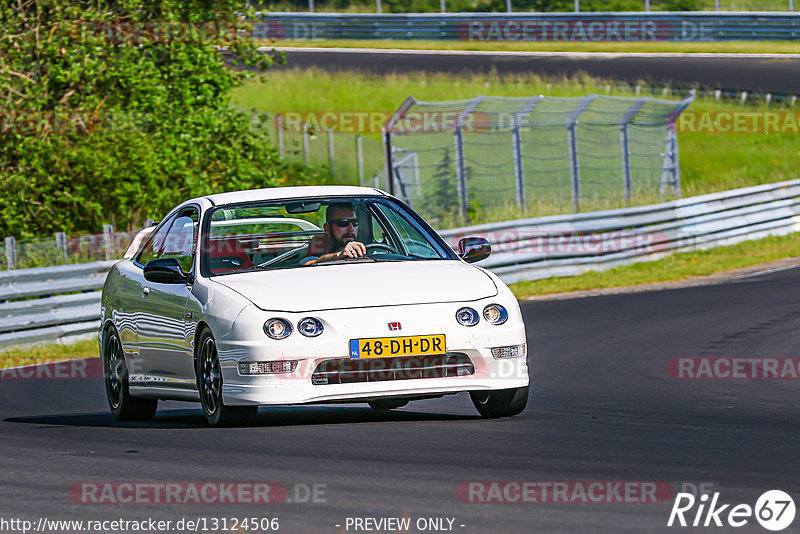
pixel 353 249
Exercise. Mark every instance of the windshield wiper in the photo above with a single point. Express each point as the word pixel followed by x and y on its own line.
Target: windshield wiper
pixel 362 259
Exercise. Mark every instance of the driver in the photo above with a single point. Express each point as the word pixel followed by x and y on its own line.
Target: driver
pixel 341 231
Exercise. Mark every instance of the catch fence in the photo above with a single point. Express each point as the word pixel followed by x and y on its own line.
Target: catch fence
pixel 447 159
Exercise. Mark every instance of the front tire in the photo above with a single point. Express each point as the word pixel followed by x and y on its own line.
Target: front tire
pixel 124 407
pixel 209 384
pixel 501 402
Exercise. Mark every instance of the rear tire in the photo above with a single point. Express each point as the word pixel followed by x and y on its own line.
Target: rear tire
pixel 501 402
pixel 387 404
pixel 124 407
pixel 209 385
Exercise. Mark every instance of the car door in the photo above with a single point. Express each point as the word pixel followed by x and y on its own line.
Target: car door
pixel 163 342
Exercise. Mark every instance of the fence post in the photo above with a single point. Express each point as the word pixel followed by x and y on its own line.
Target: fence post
pixel 331 153
pixel 647 5
pixel 280 135
pixel 508 6
pixel 311 5
pixel 516 137
pixel 11 253
pixel 108 241
pixel 519 176
pixel 461 172
pixel 305 143
pixel 671 173
pixel 625 145
pixel 791 5
pixel 61 244
pixel 360 160
pixel 461 169
pixel 441 4
pixel 572 141
pixel 716 5
pixel 577 6
pixel 378 6
pixel 387 160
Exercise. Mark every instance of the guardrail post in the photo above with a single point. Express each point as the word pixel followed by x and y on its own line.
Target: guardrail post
pixel 442 5
pixel 279 121
pixel 305 143
pixel 508 6
pixel 108 241
pixel 360 160
pixel 378 6
pixel 572 142
pixel 11 253
pixel 791 5
pixel 61 244
pixel 647 5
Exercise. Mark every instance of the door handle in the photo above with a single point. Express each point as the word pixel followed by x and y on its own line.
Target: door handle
pixel 145 292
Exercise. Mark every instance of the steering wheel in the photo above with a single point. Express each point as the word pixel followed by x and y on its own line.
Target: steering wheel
pixel 384 246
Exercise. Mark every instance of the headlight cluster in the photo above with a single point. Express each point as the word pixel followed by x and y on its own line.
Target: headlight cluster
pixel 281 328
pixel 493 314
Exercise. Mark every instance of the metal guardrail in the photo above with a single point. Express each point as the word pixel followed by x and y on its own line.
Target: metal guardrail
pixel 632 26
pixel 54 316
pixel 567 245
pixel 528 249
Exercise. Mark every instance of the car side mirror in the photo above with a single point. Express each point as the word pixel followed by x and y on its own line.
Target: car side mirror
pixel 472 249
pixel 164 271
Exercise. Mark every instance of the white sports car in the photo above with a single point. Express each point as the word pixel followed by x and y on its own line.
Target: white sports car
pixel 306 295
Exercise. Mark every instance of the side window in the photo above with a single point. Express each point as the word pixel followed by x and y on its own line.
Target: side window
pixel 181 240
pixel 414 242
pixel 153 248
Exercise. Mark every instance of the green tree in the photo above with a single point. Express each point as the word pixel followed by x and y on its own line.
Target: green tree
pixel 115 110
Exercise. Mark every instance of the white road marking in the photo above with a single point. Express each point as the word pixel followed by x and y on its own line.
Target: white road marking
pixel 574 55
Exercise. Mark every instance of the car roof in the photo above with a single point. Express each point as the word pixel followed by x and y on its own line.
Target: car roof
pixel 274 193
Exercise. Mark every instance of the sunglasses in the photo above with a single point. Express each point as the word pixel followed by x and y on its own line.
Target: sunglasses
pixel 344 223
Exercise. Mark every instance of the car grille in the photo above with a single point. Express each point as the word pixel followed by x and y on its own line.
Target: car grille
pixel 347 371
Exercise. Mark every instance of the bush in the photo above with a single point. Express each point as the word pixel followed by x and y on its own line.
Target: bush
pixel 147 122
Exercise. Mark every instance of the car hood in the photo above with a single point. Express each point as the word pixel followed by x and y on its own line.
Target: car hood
pixel 325 287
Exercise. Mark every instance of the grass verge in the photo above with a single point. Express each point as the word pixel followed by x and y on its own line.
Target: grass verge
pixel 710 162
pixel 677 267
pixel 653 47
pixel 48 353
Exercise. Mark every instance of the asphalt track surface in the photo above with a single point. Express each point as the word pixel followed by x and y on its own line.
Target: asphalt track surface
pixel 731 72
pixel 602 409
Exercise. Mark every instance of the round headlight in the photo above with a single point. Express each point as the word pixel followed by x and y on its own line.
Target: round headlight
pixel 495 314
pixel 278 328
pixel 309 327
pixel 467 317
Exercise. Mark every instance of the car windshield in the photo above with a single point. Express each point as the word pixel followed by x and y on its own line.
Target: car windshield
pixel 296 233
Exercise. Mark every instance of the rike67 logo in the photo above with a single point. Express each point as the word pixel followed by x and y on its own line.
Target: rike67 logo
pixel 774 510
